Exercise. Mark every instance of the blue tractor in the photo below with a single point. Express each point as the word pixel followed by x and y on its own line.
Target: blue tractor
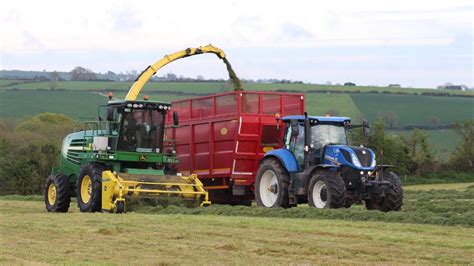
pixel 317 166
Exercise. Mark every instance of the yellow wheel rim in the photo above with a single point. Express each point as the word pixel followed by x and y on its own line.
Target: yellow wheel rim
pixel 86 189
pixel 52 194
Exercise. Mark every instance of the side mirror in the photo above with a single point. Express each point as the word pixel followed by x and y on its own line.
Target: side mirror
pixel 110 114
pixel 365 128
pixel 295 131
pixel 175 119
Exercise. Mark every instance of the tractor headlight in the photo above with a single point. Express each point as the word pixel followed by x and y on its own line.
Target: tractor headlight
pixel 355 160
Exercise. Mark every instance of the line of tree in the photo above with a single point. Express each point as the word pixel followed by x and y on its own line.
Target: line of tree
pixel 413 154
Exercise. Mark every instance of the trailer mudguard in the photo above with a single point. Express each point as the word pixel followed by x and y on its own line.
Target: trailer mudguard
pixel 286 158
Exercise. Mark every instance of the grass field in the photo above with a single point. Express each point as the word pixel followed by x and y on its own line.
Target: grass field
pixel 229 235
pixel 414 109
pixel 21 104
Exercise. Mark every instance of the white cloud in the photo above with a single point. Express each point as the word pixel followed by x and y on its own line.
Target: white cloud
pixel 127 27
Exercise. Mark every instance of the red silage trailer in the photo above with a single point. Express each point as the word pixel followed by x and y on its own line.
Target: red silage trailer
pixel 222 137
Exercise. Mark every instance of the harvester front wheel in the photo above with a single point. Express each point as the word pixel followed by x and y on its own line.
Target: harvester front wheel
pixel 89 187
pixel 271 185
pixel 326 190
pixel 57 193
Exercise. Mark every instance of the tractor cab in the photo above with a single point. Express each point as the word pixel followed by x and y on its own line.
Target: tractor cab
pixel 324 141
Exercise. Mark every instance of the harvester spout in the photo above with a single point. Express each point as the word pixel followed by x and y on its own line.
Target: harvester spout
pixel 143 78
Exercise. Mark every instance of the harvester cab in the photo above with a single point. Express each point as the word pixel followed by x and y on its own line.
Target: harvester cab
pixel 122 155
pixel 317 165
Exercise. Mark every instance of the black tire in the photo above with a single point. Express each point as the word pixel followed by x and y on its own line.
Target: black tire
pixel 393 199
pixel 62 189
pixel 120 207
pixel 94 172
pixel 348 203
pixel 332 193
pixel 280 188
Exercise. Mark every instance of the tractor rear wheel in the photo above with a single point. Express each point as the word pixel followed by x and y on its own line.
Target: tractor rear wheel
pixel 326 190
pixel 271 185
pixel 89 188
pixel 57 193
pixel 393 199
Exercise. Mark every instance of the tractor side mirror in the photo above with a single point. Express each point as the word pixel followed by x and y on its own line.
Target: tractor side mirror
pixel 365 128
pixel 175 118
pixel 295 131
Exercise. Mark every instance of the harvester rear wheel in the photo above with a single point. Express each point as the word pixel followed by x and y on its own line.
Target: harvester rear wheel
pixel 326 190
pixel 57 193
pixel 89 187
pixel 271 185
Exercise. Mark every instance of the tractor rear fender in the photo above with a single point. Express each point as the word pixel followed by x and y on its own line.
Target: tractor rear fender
pixel 285 157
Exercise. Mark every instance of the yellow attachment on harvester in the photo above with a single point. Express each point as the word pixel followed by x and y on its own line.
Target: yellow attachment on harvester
pixel 115 187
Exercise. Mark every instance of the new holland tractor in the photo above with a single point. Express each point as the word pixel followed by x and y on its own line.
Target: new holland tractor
pixel 316 165
pixel 125 154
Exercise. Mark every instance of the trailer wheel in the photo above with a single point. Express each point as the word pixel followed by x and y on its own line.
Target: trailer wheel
pixel 393 199
pixel 326 190
pixel 89 188
pixel 57 193
pixel 271 185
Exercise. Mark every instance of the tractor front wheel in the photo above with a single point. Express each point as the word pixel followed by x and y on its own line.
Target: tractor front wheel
pixel 57 193
pixel 393 199
pixel 271 185
pixel 326 190
pixel 89 188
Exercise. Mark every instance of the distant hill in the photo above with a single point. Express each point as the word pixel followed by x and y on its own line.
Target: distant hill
pixel 402 108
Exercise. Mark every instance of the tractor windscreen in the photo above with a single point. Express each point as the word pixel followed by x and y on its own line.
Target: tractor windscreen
pixel 142 131
pixel 324 134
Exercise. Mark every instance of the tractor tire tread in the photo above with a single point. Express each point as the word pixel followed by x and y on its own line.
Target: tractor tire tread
pixel 334 185
pixel 394 198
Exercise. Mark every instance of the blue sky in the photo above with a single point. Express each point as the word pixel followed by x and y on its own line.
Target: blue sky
pixel 414 43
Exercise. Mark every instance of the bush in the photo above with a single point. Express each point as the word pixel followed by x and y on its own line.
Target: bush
pixel 29 151
pixel 463 157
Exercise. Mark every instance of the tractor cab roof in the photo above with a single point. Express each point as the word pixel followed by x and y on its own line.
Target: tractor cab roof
pixel 146 104
pixel 318 119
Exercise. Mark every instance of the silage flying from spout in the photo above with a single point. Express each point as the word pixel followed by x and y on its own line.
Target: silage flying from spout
pixel 232 76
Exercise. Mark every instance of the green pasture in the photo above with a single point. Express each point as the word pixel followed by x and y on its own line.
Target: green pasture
pixel 77 105
pixel 435 226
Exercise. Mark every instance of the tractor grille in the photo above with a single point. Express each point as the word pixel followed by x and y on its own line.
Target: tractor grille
pixel 365 159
